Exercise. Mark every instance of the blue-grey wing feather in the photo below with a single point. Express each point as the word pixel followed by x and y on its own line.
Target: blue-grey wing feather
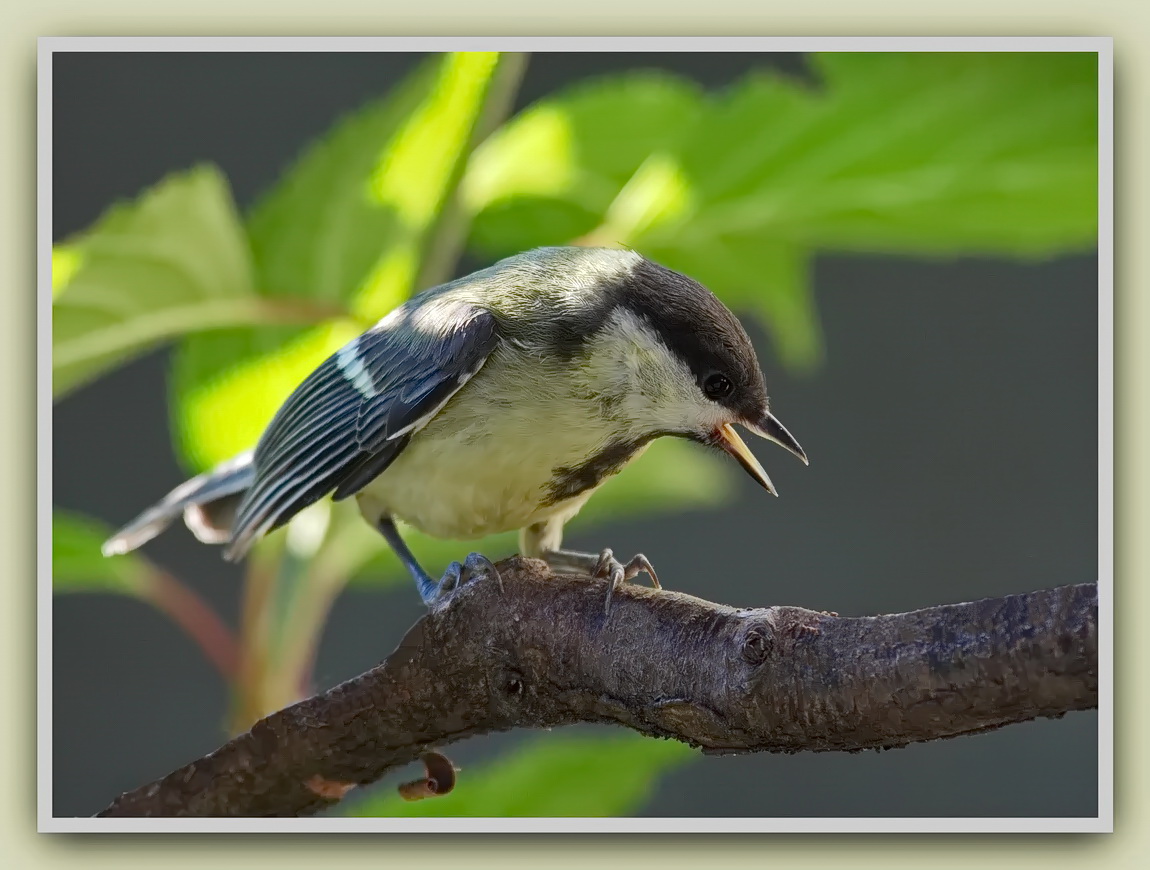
pixel 354 414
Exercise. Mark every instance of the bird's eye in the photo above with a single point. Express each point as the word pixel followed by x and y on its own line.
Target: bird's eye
pixel 717 386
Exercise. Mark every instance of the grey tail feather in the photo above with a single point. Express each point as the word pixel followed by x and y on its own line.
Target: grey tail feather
pixel 208 503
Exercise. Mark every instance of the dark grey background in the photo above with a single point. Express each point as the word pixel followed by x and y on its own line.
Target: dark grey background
pixel 952 431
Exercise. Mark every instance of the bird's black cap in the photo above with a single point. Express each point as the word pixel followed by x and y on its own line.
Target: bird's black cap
pixel 701 330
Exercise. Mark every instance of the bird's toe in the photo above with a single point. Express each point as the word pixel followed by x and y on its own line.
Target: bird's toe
pixel 611 569
pixel 475 567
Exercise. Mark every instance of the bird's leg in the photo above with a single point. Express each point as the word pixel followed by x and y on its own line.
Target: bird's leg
pixel 542 540
pixel 456 575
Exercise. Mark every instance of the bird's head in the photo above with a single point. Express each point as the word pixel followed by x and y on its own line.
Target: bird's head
pixel 693 370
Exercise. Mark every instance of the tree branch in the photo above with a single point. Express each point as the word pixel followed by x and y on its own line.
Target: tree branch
pixel 542 653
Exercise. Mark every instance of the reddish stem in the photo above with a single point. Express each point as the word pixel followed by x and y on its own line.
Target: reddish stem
pixel 189 611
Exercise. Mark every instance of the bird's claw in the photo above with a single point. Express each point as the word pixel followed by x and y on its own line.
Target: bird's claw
pixel 610 568
pixel 474 567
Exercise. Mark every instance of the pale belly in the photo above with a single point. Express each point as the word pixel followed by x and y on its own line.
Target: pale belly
pixel 450 487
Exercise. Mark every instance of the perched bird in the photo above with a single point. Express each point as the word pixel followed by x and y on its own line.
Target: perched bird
pixel 495 402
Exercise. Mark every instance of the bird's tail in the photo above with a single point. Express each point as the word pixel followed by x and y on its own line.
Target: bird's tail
pixel 208 503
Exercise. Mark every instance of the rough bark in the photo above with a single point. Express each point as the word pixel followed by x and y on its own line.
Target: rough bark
pixel 542 652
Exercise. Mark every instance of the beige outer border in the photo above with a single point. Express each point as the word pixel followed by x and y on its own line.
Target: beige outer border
pixel 1124 20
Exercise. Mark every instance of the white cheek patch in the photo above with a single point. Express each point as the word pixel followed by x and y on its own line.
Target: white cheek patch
pixel 658 390
pixel 354 370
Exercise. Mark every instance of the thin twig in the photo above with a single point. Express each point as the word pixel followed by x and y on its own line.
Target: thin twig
pixel 250 699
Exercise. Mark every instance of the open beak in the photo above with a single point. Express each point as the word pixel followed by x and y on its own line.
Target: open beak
pixel 727 438
pixel 767 427
pixel 771 429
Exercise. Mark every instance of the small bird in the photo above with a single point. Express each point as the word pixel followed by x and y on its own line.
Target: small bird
pixel 499 401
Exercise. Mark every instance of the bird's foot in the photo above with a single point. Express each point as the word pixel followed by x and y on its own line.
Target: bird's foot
pixel 610 568
pixel 475 567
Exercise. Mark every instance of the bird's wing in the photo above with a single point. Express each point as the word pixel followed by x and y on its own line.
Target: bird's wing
pixel 355 413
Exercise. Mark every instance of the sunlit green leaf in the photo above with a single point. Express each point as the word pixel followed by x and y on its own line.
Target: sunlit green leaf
pixel 172 262
pixel 934 153
pixel 369 188
pixel 320 230
pixel 549 776
pixel 346 225
pixel 79 566
pixel 66 260
pixel 554 171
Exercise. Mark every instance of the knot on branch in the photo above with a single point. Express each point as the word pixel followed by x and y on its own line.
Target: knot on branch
pixel 757 643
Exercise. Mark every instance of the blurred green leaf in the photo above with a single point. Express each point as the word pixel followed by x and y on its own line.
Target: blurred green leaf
pixel 79 566
pixel 348 224
pixel 172 262
pixel 553 172
pixel 347 220
pixel 320 231
pixel 549 776
pixel 672 476
pixel 928 153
